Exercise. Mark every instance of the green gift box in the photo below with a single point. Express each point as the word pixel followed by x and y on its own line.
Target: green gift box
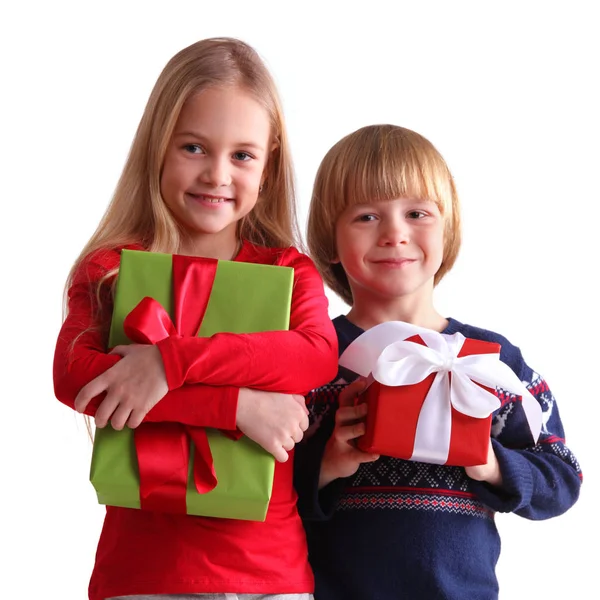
pixel 244 298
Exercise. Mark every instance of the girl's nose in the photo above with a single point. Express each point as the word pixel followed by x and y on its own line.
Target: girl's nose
pixel 216 172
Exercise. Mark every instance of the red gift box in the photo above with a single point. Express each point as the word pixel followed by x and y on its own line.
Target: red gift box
pixel 394 411
pixel 432 395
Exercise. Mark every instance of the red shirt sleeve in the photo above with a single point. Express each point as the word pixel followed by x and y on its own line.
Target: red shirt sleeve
pixel 81 356
pixel 294 361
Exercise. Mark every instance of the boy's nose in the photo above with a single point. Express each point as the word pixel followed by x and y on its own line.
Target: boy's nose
pixel 394 233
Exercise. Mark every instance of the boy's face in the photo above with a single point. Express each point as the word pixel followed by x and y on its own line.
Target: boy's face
pixel 391 249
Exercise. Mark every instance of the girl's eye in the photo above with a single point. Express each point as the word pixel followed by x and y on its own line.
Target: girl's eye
pixel 366 218
pixel 416 214
pixel 193 148
pixel 242 156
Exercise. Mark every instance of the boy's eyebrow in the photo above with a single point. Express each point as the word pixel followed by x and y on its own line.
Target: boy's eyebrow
pixel 360 205
pixel 198 136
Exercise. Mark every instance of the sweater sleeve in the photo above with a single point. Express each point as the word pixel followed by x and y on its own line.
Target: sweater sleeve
pixel 316 504
pixel 81 356
pixel 538 481
pixel 293 361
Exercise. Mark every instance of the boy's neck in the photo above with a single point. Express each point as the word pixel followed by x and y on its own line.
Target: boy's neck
pixel 373 314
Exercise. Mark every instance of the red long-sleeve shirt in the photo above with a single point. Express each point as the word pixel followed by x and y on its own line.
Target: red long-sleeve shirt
pixel 143 552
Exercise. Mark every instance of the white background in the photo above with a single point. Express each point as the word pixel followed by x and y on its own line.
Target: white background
pixel 506 91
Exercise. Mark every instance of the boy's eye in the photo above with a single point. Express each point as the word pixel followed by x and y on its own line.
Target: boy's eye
pixel 193 148
pixel 366 218
pixel 243 156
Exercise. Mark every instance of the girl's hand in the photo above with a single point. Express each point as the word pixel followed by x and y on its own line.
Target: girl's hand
pixel 489 472
pixel 341 457
pixel 133 387
pixel 274 421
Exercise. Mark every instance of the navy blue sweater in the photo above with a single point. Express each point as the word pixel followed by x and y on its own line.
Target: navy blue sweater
pixel 409 530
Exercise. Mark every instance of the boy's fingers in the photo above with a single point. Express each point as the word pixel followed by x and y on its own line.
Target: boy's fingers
pixel 349 394
pixel 350 413
pixel 350 432
pixel 367 457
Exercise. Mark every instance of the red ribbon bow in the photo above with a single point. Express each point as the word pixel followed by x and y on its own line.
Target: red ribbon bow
pixel 163 449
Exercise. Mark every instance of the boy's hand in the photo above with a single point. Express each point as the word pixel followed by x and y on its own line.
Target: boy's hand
pixel 341 457
pixel 490 472
pixel 274 421
pixel 133 387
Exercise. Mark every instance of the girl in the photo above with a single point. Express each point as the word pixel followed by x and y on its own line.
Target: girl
pixel 384 228
pixel 209 174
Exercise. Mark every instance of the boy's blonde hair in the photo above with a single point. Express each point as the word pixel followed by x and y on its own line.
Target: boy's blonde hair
pixel 137 212
pixel 378 163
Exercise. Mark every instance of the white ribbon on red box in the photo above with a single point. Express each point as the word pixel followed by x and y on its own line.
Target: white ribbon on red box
pixel 383 353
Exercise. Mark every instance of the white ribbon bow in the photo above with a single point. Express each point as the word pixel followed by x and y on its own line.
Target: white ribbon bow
pixel 383 351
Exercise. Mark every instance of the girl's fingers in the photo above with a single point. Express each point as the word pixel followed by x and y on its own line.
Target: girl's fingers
pixel 280 455
pixel 135 419
pixel 301 401
pixel 120 417
pixel 89 391
pixel 298 435
pixel 105 410
pixel 289 444
pixel 124 349
pixel 304 423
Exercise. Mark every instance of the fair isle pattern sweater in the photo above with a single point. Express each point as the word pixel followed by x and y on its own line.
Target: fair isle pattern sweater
pixel 407 530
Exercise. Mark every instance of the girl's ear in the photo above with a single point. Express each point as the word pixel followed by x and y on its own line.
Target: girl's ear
pixel 335 260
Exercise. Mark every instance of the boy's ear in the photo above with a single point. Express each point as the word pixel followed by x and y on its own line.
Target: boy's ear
pixel 335 260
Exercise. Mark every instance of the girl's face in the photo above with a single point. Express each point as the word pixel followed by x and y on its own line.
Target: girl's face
pixel 214 165
pixel 391 249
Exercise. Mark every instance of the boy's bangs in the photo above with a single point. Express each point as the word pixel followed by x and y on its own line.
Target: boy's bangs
pixel 395 169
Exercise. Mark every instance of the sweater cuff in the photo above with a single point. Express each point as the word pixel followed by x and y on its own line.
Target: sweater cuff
pixel 517 482
pixel 315 504
pixel 327 498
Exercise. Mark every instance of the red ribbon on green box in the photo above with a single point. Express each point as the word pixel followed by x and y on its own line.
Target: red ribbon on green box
pixel 169 466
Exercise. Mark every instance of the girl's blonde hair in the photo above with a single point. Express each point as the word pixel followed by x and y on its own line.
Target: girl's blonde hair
pixel 137 212
pixel 378 163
